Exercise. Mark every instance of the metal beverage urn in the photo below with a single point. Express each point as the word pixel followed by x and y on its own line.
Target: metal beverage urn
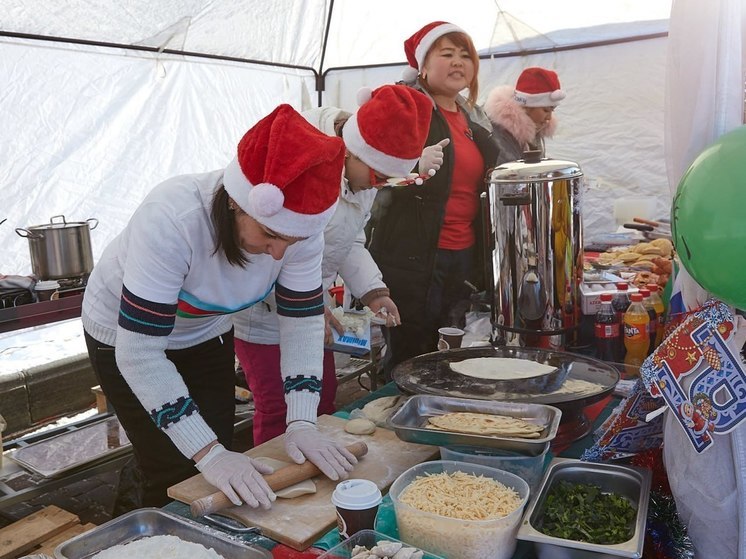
pixel 534 250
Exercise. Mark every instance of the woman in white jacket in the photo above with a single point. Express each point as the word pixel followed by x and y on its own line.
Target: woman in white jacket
pixel 384 138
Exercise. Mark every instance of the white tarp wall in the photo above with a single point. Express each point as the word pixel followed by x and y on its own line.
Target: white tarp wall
pixel 87 131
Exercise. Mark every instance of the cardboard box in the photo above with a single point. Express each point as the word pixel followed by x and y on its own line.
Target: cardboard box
pixel 590 294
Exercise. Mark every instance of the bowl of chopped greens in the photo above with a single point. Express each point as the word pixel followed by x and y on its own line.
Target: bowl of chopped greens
pixel 586 510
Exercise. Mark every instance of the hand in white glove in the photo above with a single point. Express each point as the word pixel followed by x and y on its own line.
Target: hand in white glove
pixel 304 440
pixel 238 476
pixel 432 157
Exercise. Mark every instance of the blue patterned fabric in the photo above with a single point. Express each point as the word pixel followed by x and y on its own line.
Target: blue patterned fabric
pixel 299 383
pixel 145 317
pixel 299 303
pixel 173 412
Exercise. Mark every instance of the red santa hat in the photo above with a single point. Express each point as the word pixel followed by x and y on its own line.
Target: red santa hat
pixel 286 174
pixel 390 128
pixel 417 45
pixel 538 87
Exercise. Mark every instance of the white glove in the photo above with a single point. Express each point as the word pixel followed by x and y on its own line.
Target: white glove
pixel 432 157
pixel 304 440
pixel 238 476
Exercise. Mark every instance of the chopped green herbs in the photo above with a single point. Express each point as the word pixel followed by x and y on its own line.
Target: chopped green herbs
pixel 581 512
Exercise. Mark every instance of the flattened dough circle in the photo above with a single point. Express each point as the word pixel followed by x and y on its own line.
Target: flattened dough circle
pixel 360 426
pixel 305 487
pixel 501 368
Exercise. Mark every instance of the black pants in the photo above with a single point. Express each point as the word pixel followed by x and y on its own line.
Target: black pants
pixel 208 370
pixel 446 305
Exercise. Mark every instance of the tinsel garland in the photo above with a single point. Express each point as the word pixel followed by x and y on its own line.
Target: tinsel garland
pixel 665 535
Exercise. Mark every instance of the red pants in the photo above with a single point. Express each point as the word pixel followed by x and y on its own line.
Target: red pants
pixel 261 365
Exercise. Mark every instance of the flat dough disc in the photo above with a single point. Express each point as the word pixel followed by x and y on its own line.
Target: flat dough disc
pixel 501 368
pixel 303 488
pixel 360 427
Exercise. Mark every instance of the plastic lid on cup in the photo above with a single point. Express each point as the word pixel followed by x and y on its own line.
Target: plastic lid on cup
pixel 356 494
pixel 46 285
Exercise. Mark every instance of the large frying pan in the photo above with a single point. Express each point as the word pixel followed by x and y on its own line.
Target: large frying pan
pixel 575 383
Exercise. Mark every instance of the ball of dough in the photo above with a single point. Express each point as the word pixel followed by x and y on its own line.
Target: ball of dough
pixel 360 427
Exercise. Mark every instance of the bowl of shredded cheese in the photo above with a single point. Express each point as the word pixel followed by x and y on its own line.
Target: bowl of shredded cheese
pixel 459 510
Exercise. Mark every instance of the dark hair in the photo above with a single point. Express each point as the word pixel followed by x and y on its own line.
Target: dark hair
pixel 224 220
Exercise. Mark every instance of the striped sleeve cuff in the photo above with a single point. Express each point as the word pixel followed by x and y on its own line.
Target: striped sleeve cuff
pixel 299 303
pixel 145 317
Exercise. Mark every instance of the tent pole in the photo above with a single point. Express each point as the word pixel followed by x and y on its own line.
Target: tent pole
pixel 320 77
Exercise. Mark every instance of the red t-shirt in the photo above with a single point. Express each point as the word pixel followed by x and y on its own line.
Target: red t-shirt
pixel 462 206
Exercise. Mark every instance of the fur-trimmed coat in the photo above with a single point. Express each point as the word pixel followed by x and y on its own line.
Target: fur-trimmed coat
pixel 513 131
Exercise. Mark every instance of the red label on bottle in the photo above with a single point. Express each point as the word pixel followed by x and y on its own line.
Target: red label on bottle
pixel 606 331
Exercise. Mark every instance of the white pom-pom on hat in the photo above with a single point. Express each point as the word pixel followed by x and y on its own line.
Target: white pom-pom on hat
pixel 409 74
pixel 364 94
pixel 266 199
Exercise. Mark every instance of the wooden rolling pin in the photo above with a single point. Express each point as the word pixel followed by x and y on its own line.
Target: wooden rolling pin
pixel 279 479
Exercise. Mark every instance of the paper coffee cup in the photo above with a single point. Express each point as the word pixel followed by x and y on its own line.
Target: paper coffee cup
pixel 450 338
pixel 46 290
pixel 357 503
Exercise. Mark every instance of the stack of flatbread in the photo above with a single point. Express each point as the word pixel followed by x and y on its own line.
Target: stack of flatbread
pixel 485 424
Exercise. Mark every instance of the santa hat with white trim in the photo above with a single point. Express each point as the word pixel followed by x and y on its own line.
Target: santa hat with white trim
pixel 417 45
pixel 286 174
pixel 538 87
pixel 390 128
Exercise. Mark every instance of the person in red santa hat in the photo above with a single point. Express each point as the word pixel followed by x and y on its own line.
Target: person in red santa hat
pixel 425 238
pixel 522 116
pixel 383 139
pixel 157 305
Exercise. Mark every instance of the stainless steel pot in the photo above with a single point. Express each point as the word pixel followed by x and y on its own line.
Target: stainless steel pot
pixel 60 249
pixel 534 250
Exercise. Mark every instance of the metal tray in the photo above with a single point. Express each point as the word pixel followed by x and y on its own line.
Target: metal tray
pixel 142 523
pixel 629 482
pixel 67 451
pixel 410 422
pixel 578 377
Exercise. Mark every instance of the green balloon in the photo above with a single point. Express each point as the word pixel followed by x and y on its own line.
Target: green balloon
pixel 708 218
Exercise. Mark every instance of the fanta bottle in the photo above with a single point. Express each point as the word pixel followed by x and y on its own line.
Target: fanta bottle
pixel 636 339
pixel 653 324
pixel 660 310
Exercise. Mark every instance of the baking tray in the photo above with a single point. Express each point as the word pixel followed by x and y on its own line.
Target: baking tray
pixel 410 422
pixel 83 446
pixel 629 482
pixel 142 523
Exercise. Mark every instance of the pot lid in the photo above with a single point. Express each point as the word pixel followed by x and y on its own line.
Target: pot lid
pixel 542 170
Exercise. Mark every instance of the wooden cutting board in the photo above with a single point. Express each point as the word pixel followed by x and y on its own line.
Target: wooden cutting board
pixel 301 521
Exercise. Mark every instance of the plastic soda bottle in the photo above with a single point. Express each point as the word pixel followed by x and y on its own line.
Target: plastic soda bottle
pixel 653 324
pixel 660 310
pixel 607 331
pixel 620 302
pixel 636 338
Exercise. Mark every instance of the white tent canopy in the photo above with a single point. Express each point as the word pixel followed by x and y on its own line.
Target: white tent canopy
pixel 130 93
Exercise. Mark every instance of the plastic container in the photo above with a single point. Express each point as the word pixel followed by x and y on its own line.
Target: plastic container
pixel 529 468
pixel 365 538
pixel 452 537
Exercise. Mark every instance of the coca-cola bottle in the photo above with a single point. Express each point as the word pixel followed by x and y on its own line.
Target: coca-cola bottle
pixel 620 304
pixel 607 331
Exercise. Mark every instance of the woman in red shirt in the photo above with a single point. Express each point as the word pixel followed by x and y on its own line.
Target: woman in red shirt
pixel 426 238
